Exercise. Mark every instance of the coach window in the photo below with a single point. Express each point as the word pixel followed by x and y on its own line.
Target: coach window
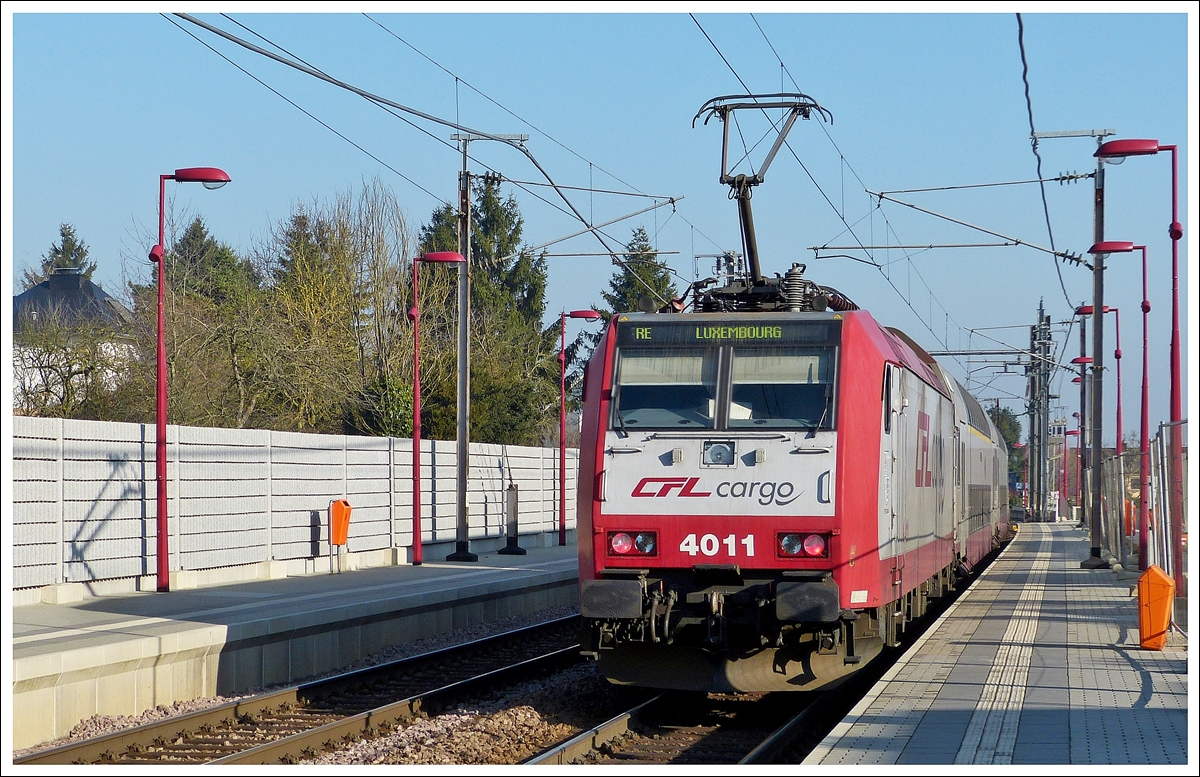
pixel 775 388
pixel 665 390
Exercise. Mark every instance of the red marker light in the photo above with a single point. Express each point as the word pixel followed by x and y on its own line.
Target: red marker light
pixel 620 543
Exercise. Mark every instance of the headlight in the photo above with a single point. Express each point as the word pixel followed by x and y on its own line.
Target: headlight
pixel 804 545
pixel 718 453
pixel 644 543
pixel 790 544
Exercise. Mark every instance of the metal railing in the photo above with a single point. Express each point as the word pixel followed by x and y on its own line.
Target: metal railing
pixel 1167 516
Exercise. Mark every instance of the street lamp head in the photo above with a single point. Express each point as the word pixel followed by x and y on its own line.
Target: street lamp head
pixel 441 256
pixel 1082 360
pixel 1112 247
pixel 1115 151
pixel 211 177
pixel 1071 433
pixel 156 253
pixel 1077 379
pixel 586 315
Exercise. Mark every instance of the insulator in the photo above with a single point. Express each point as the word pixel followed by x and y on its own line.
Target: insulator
pixel 837 300
pixel 795 288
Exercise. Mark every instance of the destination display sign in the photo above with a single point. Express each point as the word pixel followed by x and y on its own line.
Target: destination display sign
pixel 639 331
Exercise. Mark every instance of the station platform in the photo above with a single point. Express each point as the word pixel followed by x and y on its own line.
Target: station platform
pixel 122 655
pixel 1037 663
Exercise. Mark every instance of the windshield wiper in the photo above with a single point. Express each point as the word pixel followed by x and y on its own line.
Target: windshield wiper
pixel 812 430
pixel 620 421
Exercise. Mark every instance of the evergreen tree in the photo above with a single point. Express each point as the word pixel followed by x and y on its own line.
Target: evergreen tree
pixel 1009 426
pixel 201 266
pixel 642 275
pixel 215 330
pixel 69 251
pixel 513 366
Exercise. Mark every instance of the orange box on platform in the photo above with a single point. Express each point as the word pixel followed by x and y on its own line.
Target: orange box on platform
pixel 1156 597
pixel 339 521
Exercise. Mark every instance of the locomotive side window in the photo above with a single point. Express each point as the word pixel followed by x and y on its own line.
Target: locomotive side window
pixel 782 388
pixel 659 389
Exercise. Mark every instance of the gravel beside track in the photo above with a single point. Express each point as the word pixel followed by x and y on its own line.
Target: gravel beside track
pixel 99 725
pixel 501 729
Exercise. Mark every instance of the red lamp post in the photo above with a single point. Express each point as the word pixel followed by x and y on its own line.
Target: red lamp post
pixel 1087 310
pixel 1115 151
pixel 1067 435
pixel 212 178
pixel 1025 481
pixel 414 314
pixel 1078 457
pixel 1144 445
pixel 586 315
pixel 1088 509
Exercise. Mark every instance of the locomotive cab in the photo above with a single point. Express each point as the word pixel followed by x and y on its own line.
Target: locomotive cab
pixel 711 530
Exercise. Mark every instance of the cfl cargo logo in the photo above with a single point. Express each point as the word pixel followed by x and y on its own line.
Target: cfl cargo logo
pixel 782 493
pixel 664 487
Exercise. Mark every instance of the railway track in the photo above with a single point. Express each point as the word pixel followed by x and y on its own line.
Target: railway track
pixel 683 728
pixel 780 728
pixel 298 722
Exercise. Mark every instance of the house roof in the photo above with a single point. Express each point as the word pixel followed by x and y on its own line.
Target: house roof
pixel 73 298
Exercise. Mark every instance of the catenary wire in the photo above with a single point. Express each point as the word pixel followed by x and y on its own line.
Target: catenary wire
pixel 1033 142
pixel 537 129
pixel 302 110
pixel 395 114
pixel 429 117
pixel 804 167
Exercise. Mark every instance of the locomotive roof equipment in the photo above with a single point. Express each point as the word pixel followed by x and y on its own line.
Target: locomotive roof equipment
pixel 752 291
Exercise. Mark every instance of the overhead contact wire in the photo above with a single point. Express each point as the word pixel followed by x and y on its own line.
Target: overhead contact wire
pixel 302 110
pixel 1033 143
pixel 636 191
pixel 429 117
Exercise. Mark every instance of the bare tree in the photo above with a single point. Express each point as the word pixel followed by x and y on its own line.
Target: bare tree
pixel 63 366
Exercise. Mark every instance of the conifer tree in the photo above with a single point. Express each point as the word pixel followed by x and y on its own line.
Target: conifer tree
pixel 69 251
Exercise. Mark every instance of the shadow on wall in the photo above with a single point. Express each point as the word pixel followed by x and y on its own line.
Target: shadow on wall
pixel 103 522
pixel 314 532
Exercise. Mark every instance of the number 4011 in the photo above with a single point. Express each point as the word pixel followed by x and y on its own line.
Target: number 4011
pixel 709 544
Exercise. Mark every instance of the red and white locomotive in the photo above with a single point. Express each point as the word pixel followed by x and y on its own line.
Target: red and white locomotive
pixel 771 487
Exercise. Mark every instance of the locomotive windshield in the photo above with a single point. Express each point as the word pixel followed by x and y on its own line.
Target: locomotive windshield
pixel 667 390
pixel 765 373
pixel 774 388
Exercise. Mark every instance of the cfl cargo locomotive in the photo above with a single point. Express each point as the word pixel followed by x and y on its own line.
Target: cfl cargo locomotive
pixel 771 486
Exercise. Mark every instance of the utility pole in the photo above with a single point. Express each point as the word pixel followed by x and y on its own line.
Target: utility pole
pixel 1093 504
pixel 1032 450
pixel 1096 504
pixel 462 539
pixel 1039 416
pixel 1085 456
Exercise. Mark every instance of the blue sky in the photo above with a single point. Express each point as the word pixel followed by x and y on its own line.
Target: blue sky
pixel 97 106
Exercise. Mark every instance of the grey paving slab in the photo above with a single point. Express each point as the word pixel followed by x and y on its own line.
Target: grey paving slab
pixel 1038 663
